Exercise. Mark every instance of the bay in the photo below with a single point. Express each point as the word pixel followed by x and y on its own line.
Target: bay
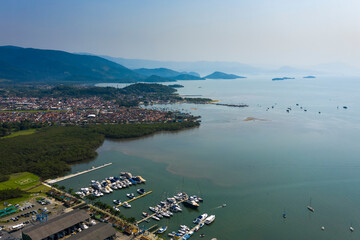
pixel 259 168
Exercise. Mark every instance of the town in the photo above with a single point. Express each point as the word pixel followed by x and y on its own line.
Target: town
pixel 78 111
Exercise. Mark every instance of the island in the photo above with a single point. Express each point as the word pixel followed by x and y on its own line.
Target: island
pixel 176 86
pixel 221 75
pixel 282 78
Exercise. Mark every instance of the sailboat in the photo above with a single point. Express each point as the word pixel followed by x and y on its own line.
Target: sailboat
pixel 310 208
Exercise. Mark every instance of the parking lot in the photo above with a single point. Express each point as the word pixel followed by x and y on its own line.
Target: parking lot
pixel 28 213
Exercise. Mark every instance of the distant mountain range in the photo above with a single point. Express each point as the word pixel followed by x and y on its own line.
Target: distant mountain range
pixel 51 66
pixel 35 65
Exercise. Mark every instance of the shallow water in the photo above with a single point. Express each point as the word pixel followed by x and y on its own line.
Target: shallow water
pixel 258 168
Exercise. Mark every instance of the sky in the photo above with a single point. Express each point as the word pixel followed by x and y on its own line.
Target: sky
pixel 267 32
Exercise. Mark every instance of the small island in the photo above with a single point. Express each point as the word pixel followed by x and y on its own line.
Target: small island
pixel 176 86
pixel 309 77
pixel 282 78
pixel 221 75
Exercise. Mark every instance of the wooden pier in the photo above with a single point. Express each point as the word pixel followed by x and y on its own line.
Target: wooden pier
pixel 163 210
pixel 133 199
pixel 51 181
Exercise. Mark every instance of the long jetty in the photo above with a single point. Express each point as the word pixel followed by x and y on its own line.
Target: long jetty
pixel 163 210
pixel 51 181
pixel 133 199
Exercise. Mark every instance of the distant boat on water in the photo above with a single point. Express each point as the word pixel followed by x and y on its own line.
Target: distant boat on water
pixel 311 209
pixel 284 214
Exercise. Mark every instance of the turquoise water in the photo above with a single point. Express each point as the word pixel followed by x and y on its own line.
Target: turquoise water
pixel 258 168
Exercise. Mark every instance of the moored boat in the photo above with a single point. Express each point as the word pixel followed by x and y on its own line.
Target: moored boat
pixel 210 219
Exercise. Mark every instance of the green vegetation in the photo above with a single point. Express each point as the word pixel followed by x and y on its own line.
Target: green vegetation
pixel 49 151
pixel 7 128
pixel 20 187
pixel 49 66
pixel 22 180
pixel 121 131
pixel 198 100
pixel 22 132
pixel 11 193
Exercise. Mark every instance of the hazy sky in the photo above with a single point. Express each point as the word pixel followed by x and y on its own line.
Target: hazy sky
pixel 276 32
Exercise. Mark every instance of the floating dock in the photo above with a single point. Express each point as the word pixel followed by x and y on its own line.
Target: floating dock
pixel 51 181
pixel 165 209
pixel 133 199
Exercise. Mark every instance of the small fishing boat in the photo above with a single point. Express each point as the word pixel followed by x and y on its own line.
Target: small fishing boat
pixel 323 228
pixel 351 229
pixel 224 205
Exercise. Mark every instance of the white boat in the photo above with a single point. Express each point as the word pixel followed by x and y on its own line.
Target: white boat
pixel 126 205
pixel 162 229
pixel 152 209
pixel 117 202
pixel 351 229
pixel 145 214
pixel 159 215
pixel 172 234
pixel 156 218
pixel 200 218
pixel 210 219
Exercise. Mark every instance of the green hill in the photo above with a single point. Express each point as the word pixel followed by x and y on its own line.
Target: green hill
pixel 187 77
pixel 35 65
pixel 161 72
pixel 221 75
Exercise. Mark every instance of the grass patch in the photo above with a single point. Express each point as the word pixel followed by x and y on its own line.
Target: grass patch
pixel 22 132
pixel 22 181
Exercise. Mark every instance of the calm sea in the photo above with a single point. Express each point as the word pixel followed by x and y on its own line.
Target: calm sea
pixel 259 168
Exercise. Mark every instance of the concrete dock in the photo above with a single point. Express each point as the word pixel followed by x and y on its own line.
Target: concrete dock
pixel 51 181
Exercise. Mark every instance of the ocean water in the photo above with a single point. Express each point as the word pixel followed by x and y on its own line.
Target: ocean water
pixel 259 168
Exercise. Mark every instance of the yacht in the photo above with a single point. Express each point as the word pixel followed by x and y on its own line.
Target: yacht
pixel 117 202
pixel 156 218
pixel 152 209
pixel 200 218
pixel 210 219
pixel 191 203
pixel 162 229
pixel 145 214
